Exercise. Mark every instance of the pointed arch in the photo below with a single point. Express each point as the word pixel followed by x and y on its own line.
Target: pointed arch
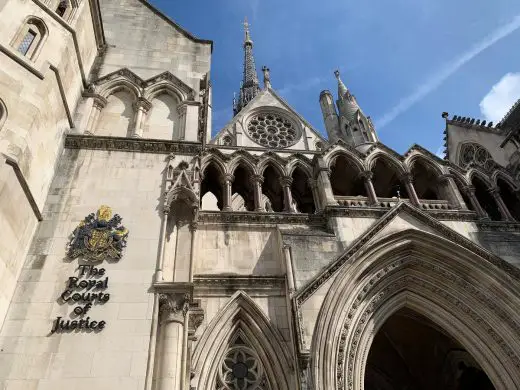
pixel 213 176
pixel 242 315
pixel 299 163
pixel 272 161
pixel 388 158
pixel 3 113
pixel 425 159
pixel 387 173
pixel 428 274
pixel 348 155
pixel 245 160
pixel 120 84
pixel 155 90
pixel 426 175
pixel 216 160
pixel 476 172
pixel 498 174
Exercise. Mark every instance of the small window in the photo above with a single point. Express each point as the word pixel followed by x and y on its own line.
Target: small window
pixel 62 8
pixel 30 38
pixel 27 41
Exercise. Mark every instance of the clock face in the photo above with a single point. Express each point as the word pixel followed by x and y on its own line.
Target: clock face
pixel 272 130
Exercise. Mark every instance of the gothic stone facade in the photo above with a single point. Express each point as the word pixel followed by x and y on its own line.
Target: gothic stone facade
pixel 267 257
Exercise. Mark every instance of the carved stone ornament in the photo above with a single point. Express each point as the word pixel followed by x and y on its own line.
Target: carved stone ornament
pixel 173 307
pixel 98 237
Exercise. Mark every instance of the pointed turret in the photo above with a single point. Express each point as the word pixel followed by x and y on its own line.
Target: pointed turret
pixel 352 126
pixel 250 86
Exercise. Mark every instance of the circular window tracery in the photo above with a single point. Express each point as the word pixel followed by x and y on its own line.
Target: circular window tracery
pixel 472 153
pixel 241 369
pixel 272 130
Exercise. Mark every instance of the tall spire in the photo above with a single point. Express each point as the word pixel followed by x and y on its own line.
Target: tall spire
pixel 250 86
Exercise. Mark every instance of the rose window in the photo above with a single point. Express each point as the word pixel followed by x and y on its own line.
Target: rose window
pixel 241 369
pixel 272 131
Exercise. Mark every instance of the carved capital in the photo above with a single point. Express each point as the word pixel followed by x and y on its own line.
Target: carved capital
pixel 257 179
pixel 444 178
pixel 173 307
pixel 195 318
pixel 99 102
pixel 469 189
pixel 142 104
pixel 406 177
pixel 181 109
pixel 312 182
pixel 194 225
pixel 494 191
pixel 229 177
pixel 366 175
pixel 286 181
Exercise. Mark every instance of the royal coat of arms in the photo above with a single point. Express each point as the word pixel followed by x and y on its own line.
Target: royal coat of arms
pixel 98 237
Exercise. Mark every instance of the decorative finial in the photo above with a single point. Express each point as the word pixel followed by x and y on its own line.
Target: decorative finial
pixel 247 38
pixel 267 77
pixel 342 90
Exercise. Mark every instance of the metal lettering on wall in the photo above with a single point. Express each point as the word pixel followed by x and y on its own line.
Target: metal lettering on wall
pixel 84 291
pixel 98 237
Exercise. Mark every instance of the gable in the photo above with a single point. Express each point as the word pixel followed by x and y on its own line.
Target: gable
pixel 269 102
pixel 402 217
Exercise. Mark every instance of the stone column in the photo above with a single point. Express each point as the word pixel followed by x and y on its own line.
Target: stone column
pixel 286 182
pixel 181 126
pixel 322 177
pixel 369 186
pixel 173 308
pixel 289 268
pixel 228 195
pixel 407 180
pixel 315 194
pixel 450 191
pixel 141 107
pixel 504 211
pixel 98 103
pixel 160 262
pixel 257 181
pixel 193 230
pixel 470 191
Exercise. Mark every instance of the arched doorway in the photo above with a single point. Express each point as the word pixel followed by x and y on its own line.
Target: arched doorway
pixel 411 352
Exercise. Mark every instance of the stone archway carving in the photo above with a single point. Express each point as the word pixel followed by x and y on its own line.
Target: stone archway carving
pixel 241 317
pixel 432 276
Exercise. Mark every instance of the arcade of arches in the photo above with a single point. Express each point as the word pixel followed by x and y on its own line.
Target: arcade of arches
pixel 271 191
pixel 411 352
pixel 245 191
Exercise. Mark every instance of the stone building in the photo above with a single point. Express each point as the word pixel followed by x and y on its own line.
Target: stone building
pixel 137 252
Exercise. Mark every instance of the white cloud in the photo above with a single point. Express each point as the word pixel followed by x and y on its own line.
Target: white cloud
pixel 437 79
pixel 501 97
pixel 302 86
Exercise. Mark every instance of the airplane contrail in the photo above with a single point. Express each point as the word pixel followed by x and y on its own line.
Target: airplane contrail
pixel 437 79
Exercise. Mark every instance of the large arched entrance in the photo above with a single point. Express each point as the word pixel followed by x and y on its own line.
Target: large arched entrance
pixel 411 352
pixel 428 274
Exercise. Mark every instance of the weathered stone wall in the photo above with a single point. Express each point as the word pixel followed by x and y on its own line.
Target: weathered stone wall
pixel 143 40
pixel 116 357
pixel 31 137
pixel 238 250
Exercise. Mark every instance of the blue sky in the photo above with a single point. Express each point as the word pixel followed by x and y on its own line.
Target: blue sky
pixel 406 61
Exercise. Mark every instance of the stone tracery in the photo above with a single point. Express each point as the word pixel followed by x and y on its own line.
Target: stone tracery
pixel 272 130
